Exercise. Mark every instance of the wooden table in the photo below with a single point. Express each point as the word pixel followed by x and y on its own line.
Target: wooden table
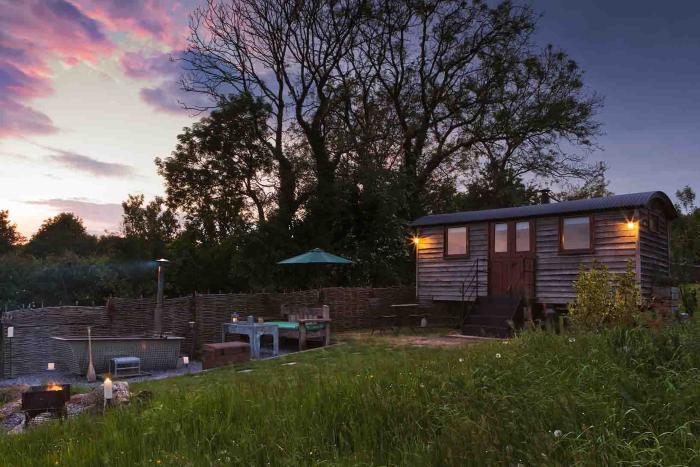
pixel 254 331
pixel 415 320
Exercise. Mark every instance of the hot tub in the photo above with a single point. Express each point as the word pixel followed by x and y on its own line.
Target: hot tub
pixel 156 353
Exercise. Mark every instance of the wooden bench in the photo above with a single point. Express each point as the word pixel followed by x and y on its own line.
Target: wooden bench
pixel 224 353
pixel 305 323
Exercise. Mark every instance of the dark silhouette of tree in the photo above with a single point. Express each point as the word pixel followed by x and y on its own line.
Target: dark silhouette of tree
pixel 64 233
pixel 220 173
pixel 152 221
pixel 686 199
pixel 9 235
pixel 423 88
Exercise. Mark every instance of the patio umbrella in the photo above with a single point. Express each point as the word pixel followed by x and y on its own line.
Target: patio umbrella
pixel 316 256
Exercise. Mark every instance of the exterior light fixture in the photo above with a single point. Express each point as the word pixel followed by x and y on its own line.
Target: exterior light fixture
pixel 51 366
pixel 10 331
pixel 416 241
pixel 631 225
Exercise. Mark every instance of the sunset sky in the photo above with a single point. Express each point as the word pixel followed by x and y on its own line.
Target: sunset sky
pixel 88 97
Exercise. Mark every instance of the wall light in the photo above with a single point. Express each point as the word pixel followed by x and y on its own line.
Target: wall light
pixel 631 225
pixel 416 241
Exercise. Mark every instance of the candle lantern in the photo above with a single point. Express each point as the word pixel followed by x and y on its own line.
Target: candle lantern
pixel 108 389
pixel 234 317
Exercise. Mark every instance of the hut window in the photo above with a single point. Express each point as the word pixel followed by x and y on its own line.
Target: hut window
pixel 500 238
pixel 522 236
pixel 576 234
pixel 456 241
pixel 654 223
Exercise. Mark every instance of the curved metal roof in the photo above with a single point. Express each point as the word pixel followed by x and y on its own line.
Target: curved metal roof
pixel 626 201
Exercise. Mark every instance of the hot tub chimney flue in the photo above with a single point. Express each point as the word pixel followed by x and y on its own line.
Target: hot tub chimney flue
pixel 157 324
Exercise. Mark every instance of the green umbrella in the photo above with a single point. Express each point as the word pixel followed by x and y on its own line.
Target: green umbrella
pixel 316 256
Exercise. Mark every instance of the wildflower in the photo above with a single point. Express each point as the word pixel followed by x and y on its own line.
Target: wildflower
pixel 572 339
pixel 461 360
pixel 557 433
pixel 422 385
pixel 498 355
pixel 506 342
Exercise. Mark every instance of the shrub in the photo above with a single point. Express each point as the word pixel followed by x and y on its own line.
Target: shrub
pixel 605 299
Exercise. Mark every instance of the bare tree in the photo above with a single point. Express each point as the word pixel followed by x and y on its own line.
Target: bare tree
pixel 289 55
pixel 465 85
pixel 421 88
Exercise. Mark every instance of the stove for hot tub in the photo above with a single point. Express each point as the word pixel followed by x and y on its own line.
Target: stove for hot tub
pixel 51 398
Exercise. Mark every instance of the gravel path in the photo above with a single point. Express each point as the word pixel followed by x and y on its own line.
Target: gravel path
pixel 63 378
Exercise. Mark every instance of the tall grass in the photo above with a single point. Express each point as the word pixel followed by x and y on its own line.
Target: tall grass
pixel 617 397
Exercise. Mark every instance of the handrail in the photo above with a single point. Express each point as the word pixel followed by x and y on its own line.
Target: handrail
pixel 473 279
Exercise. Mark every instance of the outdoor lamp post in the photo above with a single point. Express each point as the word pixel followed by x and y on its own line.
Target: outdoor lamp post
pixel 157 325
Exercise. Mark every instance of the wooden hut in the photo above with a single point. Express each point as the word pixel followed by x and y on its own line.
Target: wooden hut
pixel 530 255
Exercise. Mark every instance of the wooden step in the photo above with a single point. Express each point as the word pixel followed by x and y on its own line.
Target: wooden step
pixel 486 331
pixel 487 320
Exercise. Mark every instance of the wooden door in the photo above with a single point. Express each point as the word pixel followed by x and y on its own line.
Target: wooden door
pixel 512 258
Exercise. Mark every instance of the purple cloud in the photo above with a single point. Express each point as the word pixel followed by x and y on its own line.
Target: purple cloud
pixel 70 13
pixel 89 165
pixel 166 96
pixel 137 65
pixel 96 215
pixel 17 119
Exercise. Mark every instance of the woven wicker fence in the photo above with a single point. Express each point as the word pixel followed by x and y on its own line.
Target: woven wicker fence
pixel 197 318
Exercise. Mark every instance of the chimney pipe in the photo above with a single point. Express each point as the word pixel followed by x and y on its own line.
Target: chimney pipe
pixel 158 313
pixel 545 196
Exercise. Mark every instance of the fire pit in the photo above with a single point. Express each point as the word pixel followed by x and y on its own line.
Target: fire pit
pixel 51 398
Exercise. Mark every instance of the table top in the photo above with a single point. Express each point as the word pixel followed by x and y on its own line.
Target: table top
pixel 245 324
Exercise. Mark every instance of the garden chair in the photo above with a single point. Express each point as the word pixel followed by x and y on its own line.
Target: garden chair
pixel 305 323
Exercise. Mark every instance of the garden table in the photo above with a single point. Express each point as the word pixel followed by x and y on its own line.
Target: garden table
pixel 409 314
pixel 254 331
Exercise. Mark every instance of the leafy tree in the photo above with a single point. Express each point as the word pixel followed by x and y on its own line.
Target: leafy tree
pixel 685 236
pixel 219 173
pixel 9 235
pixel 61 234
pixel 686 199
pixel 595 186
pixel 151 226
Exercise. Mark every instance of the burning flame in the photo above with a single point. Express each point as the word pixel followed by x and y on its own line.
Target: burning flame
pixel 54 387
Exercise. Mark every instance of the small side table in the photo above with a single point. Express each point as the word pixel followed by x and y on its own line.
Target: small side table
pixel 254 331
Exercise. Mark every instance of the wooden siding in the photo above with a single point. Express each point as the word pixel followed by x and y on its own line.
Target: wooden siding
pixel 654 249
pixel 613 245
pixel 440 278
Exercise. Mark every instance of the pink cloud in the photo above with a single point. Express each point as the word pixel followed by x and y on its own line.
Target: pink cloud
pixel 162 20
pixel 17 119
pixel 35 32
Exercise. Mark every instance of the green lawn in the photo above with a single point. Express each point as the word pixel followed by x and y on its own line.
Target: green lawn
pixel 538 400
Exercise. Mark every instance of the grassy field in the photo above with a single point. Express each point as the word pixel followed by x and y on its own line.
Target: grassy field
pixel 620 397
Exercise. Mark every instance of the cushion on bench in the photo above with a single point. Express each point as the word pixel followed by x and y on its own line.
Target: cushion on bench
pixel 295 325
